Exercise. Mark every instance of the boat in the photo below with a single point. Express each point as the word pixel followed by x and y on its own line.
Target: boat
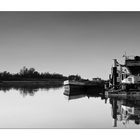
pixel 125 77
pixel 73 87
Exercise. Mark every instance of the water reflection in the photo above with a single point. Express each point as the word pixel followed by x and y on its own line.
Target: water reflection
pixel 78 96
pixel 49 108
pixel 27 89
pixel 90 92
pixel 125 110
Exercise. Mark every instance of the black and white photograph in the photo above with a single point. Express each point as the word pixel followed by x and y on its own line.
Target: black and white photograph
pixel 69 69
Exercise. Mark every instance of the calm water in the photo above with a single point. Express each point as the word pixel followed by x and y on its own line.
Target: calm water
pixel 50 108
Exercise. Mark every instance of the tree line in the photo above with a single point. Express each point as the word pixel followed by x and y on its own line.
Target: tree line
pixel 31 74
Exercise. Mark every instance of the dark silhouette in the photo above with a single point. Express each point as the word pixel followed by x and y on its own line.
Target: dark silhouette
pixel 29 74
pixel 27 89
pixel 86 92
pixel 74 77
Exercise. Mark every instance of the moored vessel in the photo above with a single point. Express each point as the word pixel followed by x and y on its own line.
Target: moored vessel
pixel 73 87
pixel 125 77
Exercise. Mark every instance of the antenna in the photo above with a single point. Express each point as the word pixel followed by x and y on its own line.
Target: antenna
pixel 125 56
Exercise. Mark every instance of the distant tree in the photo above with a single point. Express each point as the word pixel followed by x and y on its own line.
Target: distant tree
pixel 31 71
pixel 74 77
pixel 23 71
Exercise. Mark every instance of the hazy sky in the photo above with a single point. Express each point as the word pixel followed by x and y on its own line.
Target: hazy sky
pixel 81 43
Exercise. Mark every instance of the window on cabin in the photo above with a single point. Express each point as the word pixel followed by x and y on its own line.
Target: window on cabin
pixel 134 69
pixel 130 79
pixel 122 76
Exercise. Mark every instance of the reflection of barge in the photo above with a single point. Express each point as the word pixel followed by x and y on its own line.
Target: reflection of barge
pixel 79 95
pixel 73 97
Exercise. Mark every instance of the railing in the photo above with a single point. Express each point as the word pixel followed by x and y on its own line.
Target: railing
pixel 131 57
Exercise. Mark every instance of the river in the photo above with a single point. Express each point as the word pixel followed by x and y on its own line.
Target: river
pixel 50 108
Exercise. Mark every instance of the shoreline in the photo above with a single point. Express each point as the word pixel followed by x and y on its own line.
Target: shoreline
pixel 54 82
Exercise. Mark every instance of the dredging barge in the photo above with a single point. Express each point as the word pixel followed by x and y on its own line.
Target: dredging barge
pixel 124 79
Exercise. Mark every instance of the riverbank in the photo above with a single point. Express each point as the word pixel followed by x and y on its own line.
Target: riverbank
pixel 49 82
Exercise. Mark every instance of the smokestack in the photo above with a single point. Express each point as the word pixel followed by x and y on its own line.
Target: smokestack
pixel 114 73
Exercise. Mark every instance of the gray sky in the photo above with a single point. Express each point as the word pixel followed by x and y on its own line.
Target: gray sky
pixel 81 43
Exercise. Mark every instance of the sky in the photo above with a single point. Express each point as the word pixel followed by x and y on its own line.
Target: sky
pixel 82 43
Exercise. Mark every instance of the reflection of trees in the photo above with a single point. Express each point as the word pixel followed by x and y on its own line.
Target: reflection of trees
pixel 27 90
